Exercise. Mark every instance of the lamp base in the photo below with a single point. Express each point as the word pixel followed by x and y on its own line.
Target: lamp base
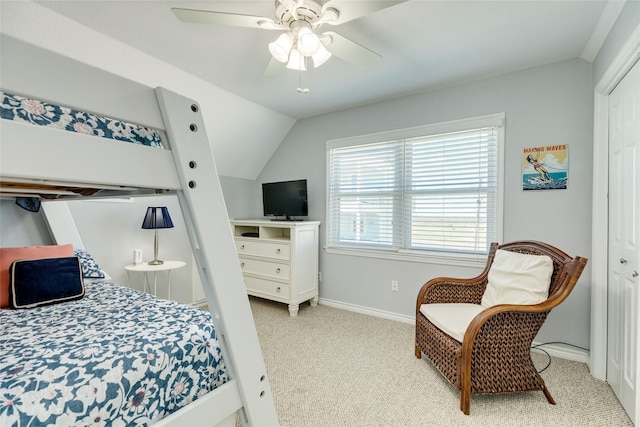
pixel 155 261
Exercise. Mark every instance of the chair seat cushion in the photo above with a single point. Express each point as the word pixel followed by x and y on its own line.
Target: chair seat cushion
pixel 452 319
pixel 516 278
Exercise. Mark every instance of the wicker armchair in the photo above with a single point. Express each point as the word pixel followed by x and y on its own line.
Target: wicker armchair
pixel 494 355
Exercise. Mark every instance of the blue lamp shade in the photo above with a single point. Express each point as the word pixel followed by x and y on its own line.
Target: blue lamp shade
pixel 157 217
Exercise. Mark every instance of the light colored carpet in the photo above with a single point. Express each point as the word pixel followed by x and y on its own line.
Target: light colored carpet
pixel 330 367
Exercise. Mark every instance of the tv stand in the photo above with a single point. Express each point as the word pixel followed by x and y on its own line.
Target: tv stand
pixel 279 259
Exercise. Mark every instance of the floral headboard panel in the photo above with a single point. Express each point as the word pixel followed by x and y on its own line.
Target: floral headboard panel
pixel 19 108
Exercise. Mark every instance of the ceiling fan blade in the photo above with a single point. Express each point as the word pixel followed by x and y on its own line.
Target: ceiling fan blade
pixel 351 9
pixel 351 51
pixel 222 18
pixel 274 67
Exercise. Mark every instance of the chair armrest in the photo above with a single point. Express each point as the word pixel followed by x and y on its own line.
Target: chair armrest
pixel 499 338
pixel 516 323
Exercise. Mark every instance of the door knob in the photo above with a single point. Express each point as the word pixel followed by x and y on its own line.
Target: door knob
pixel 623 261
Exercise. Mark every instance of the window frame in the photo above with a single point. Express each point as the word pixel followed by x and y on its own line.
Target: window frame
pixel 439 257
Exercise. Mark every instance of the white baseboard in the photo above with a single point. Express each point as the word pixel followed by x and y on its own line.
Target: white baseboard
pixel 563 352
pixel 367 310
pixel 555 350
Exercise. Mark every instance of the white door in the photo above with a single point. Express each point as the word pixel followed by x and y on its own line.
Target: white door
pixel 624 241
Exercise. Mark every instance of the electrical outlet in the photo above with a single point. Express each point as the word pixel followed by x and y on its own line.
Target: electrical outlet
pixel 394 286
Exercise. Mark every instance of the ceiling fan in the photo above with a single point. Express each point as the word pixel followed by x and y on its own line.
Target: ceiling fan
pixel 301 42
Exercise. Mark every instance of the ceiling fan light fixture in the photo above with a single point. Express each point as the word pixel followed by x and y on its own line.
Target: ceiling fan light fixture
pixel 321 56
pixel 308 42
pixel 296 61
pixel 281 48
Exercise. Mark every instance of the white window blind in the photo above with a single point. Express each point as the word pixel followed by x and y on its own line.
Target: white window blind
pixel 422 192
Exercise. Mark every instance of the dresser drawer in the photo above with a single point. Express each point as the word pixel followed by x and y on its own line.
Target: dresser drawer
pixel 263 287
pixel 265 268
pixel 274 250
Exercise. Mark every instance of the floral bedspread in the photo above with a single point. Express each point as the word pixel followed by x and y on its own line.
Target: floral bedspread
pixel 27 110
pixel 117 357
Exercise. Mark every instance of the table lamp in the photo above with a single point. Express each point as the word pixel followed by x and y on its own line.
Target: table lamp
pixel 156 217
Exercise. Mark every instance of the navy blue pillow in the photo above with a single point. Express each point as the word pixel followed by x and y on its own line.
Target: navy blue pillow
pixel 36 282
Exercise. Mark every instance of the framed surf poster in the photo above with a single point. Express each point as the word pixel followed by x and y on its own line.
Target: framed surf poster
pixel 545 167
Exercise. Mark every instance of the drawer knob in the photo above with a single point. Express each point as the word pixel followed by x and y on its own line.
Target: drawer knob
pixel 278 270
pixel 278 289
pixel 242 265
pixel 242 247
pixel 278 250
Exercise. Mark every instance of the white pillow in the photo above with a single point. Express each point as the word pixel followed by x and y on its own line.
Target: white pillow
pixel 516 278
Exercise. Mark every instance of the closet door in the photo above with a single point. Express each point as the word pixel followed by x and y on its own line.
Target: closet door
pixel 624 241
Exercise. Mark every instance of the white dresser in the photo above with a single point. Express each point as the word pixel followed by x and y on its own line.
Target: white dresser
pixel 279 259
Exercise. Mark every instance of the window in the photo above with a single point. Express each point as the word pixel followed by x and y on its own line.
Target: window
pixel 430 190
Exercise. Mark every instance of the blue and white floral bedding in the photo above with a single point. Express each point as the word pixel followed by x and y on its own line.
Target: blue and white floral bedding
pixel 41 113
pixel 117 357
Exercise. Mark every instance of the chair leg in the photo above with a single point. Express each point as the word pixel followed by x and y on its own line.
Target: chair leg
pixel 464 401
pixel 465 380
pixel 465 395
pixel 548 395
pixel 418 353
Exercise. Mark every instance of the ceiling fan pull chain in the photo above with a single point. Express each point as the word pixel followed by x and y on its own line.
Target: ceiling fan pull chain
pixel 301 89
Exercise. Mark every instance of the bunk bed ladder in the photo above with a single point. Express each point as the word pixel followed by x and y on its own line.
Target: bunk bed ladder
pixel 209 230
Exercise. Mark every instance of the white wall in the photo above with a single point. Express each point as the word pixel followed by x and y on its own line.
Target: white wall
pixel 21 228
pixel 546 105
pixel 241 197
pixel 111 230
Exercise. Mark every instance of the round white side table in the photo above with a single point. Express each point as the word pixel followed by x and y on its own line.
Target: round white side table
pixel 147 268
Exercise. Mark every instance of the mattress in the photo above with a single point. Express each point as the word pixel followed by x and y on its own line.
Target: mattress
pixel 115 357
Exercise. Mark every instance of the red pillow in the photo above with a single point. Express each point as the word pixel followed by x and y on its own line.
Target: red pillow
pixel 8 255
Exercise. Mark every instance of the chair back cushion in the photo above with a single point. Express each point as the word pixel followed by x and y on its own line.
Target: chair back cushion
pixel 452 319
pixel 516 278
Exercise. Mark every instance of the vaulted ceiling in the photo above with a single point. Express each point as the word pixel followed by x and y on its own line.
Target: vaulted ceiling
pixel 423 44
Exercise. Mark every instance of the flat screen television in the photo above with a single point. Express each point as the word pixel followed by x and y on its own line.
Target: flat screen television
pixel 286 199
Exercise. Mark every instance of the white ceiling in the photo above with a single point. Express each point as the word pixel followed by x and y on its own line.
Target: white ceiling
pixel 424 45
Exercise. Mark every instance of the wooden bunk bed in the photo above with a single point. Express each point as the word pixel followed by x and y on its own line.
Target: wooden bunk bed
pixel 57 165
